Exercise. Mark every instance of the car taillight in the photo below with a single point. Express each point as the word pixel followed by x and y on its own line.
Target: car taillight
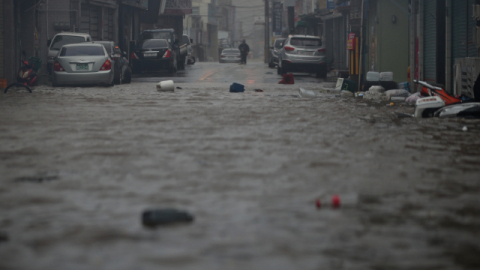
pixel 289 49
pixel 107 65
pixel 133 56
pixel 167 54
pixel 222 56
pixel 322 51
pixel 57 66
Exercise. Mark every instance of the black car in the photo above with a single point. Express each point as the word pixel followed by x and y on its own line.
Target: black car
pixel 154 54
pixel 277 44
pixel 172 38
pixel 122 70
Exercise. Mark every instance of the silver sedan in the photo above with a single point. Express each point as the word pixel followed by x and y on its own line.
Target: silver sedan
pixel 230 56
pixel 83 64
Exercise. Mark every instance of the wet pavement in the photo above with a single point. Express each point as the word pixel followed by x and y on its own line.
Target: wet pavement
pixel 80 164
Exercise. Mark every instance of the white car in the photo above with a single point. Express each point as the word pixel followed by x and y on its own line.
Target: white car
pixel 61 39
pixel 83 64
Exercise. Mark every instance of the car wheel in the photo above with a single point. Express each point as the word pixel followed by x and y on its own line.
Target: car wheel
pixel 283 69
pixel 271 64
pixel 128 75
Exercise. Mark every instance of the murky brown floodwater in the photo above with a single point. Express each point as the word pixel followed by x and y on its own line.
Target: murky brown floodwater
pixel 79 165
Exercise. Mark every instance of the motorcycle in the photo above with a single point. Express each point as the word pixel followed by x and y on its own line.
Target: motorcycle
pixel 27 75
pixel 438 103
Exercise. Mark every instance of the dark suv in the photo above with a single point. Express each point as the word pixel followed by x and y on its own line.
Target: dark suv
pixel 170 36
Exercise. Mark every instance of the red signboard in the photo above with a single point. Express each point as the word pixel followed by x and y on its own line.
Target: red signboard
pixel 351 42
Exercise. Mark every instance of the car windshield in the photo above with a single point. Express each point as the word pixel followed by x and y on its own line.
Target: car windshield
pixel 314 42
pixel 231 51
pixel 156 35
pixel 59 41
pixel 153 44
pixel 278 43
pixel 82 51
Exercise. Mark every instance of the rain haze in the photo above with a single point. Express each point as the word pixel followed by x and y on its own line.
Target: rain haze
pixel 146 135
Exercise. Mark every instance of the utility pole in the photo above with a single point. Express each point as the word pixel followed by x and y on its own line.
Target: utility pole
pixel 413 42
pixel 267 32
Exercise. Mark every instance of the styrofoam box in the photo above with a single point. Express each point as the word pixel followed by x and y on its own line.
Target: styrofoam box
pixel 386 76
pixel 373 76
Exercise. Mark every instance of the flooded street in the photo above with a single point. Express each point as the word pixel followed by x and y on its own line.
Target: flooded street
pixel 80 164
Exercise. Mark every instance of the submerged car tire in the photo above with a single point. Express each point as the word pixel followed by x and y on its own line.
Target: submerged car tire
pixel 283 69
pixel 128 75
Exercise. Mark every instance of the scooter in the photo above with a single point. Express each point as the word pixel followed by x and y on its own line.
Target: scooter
pixel 438 103
pixel 27 75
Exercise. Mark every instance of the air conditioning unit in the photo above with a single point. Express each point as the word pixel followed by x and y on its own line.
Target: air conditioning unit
pixel 466 72
pixel 476 12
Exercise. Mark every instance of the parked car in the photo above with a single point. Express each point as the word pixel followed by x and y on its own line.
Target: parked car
pixel 277 45
pixel 123 72
pixel 302 54
pixel 154 54
pixel 230 56
pixel 83 64
pixel 61 39
pixel 187 42
pixel 170 36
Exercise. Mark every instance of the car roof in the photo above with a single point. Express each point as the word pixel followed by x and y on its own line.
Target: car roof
pixel 159 30
pixel 103 42
pixel 83 44
pixel 303 36
pixel 73 34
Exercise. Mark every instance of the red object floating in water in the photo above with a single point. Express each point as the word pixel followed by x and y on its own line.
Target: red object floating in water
pixel 335 201
pixel 318 203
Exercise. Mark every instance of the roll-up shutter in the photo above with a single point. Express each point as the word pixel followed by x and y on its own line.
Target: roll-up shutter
pixel 463 26
pixel 430 42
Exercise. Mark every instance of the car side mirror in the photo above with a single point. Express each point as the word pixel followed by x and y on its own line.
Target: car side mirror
pixel 49 42
pixel 191 40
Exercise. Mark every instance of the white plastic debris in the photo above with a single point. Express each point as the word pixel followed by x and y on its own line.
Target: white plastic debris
pixel 166 86
pixel 306 93
pixel 465 128
pixel 376 89
pixel 386 76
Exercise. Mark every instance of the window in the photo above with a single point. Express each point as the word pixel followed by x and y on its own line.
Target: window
pixel 278 43
pixel 157 35
pixel 83 51
pixel 153 44
pixel 61 40
pixel 306 42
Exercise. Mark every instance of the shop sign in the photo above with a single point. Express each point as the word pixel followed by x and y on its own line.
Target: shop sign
pixel 351 42
pixel 178 7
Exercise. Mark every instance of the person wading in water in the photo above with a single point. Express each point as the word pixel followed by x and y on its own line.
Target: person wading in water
pixel 244 50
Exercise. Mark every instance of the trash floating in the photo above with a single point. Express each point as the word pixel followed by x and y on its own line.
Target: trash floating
pixel 306 93
pixel 3 237
pixel 465 128
pixel 237 88
pixel 258 90
pixel 287 79
pixel 159 217
pixel 166 86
